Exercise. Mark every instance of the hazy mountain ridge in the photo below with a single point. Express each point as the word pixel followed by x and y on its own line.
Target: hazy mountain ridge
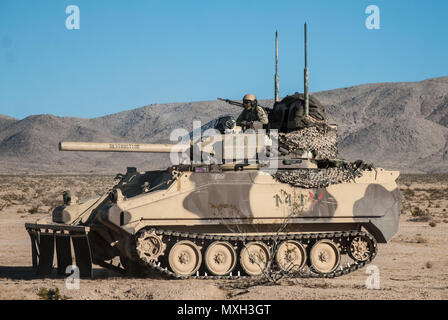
pixel 396 125
pixel 400 125
pixel 6 120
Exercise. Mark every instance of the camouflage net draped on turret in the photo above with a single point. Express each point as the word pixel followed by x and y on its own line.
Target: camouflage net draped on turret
pixel 320 139
pixel 323 177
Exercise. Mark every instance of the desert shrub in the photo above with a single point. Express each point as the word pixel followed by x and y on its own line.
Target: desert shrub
pixel 435 193
pixel 417 212
pixel 13 197
pixel 408 193
pixel 34 209
pixel 420 239
pixel 420 215
pixel 51 294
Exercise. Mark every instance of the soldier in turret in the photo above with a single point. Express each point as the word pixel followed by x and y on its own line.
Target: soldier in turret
pixel 253 116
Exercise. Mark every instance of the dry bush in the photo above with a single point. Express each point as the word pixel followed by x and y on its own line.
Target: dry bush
pixel 434 194
pixel 419 215
pixel 34 209
pixel 51 294
pixel 408 193
pixel 432 223
pixel 14 197
pixel 420 239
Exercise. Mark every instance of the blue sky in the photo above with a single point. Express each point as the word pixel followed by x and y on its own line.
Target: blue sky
pixel 128 54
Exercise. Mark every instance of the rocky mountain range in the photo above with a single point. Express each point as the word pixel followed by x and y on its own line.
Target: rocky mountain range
pixel 402 126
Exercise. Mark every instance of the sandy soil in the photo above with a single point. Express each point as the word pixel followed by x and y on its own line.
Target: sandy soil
pixel 411 266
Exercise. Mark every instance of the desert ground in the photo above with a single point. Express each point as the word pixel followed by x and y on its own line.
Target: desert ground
pixel 411 266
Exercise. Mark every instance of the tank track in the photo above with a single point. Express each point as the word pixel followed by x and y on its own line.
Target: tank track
pixel 307 238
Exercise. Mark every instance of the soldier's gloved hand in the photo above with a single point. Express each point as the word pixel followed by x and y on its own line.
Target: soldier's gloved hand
pixel 257 125
pixel 246 123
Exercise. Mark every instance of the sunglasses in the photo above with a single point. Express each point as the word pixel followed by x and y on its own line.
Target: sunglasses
pixel 247 101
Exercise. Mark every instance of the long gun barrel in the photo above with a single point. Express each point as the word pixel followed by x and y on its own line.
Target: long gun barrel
pixel 235 103
pixel 229 146
pixel 122 147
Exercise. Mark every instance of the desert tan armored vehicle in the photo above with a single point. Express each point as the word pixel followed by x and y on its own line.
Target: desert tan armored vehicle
pixel 249 204
pixel 221 220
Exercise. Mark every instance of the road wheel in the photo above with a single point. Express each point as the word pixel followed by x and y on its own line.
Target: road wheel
pixel 220 258
pixel 291 256
pixel 325 256
pixel 185 258
pixel 254 258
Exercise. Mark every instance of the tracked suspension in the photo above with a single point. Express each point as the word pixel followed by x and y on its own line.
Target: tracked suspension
pixel 358 245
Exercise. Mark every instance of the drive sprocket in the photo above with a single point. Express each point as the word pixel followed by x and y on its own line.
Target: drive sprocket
pixel 150 246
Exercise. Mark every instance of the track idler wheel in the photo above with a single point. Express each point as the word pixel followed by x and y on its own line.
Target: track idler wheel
pixel 325 256
pixel 361 248
pixel 254 258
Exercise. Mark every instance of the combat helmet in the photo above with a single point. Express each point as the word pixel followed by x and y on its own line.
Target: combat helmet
pixel 252 98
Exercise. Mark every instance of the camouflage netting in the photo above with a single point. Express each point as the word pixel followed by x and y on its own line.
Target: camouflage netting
pixel 299 133
pixel 321 140
pixel 323 177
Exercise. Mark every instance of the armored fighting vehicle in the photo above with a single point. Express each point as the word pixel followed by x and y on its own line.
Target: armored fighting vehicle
pixel 236 204
pixel 221 219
